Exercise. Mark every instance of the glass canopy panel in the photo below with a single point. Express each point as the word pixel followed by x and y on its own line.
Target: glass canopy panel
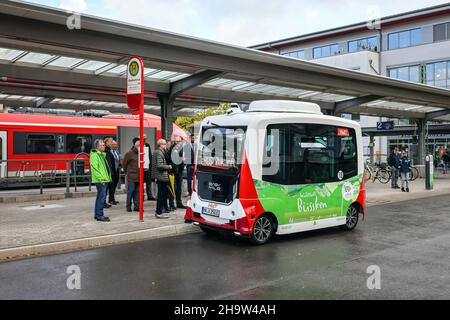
pixel 9 54
pixel 36 58
pixel 231 84
pixel 243 86
pixel 162 74
pixel 179 77
pixel 92 65
pixel 29 98
pixel 218 82
pixel 65 62
pixel 118 69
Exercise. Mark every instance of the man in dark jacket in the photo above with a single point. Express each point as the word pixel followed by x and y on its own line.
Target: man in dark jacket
pixel 178 169
pixel 446 160
pixel 131 169
pixel 113 158
pixel 147 172
pixel 393 162
pixel 169 204
pixel 189 151
pixel 160 171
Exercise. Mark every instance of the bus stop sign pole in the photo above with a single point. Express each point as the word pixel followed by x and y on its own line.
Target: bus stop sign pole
pixel 135 102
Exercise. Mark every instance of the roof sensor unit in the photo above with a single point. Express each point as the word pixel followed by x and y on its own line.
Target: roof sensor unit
pixel 284 106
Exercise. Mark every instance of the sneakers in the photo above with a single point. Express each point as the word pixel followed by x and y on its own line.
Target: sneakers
pixel 129 210
pixel 407 189
pixel 102 219
pixel 161 216
pixel 403 190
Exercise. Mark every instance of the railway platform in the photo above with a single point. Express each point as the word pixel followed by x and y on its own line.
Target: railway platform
pixel 43 227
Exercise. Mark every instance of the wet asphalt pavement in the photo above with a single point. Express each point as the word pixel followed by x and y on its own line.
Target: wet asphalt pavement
pixel 408 241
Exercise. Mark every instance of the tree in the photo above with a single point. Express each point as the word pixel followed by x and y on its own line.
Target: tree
pixel 187 123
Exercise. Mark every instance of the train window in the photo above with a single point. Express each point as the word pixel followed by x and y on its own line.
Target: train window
pixel 41 144
pixel 60 144
pixel 1 148
pixel 77 143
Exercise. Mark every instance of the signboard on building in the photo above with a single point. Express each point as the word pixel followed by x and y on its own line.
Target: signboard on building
pixel 385 126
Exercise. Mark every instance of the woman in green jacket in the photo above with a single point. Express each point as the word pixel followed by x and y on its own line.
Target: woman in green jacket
pixel 101 176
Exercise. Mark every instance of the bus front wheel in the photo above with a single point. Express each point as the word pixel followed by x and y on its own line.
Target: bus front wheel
pixel 263 230
pixel 352 218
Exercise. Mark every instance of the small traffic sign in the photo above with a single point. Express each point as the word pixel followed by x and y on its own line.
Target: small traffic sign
pixel 135 84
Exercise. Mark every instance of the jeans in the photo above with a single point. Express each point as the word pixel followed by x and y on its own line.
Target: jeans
pixel 394 180
pixel 148 183
pixel 133 194
pixel 178 188
pixel 112 186
pixel 190 175
pixel 100 200
pixel 404 176
pixel 161 202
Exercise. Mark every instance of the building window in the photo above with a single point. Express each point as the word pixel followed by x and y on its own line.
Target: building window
pixel 393 41
pixel 41 144
pixel 409 73
pixel 441 32
pixel 438 74
pixel 326 51
pixel 78 143
pixel 363 44
pixel 405 39
pixel 295 54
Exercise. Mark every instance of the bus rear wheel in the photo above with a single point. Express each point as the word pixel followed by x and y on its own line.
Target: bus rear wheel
pixel 352 218
pixel 263 230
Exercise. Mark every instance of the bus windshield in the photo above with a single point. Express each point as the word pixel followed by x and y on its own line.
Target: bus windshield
pixel 221 147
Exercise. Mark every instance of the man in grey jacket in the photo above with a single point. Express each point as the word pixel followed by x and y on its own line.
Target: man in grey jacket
pixel 160 172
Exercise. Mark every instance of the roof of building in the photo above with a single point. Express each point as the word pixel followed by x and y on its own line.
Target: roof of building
pixel 358 27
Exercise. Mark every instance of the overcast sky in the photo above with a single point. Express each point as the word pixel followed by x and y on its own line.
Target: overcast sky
pixel 241 22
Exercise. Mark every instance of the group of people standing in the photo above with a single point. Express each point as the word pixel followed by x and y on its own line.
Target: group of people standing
pixel 400 166
pixel 169 159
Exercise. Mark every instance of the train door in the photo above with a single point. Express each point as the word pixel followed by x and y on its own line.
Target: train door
pixel 3 154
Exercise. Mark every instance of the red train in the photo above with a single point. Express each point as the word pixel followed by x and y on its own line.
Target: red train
pixel 38 144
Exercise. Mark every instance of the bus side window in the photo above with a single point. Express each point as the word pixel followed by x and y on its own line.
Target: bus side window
pixel 275 154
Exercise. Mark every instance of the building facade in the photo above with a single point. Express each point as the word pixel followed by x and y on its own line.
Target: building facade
pixel 413 46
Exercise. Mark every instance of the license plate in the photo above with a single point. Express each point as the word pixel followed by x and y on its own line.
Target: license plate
pixel 211 212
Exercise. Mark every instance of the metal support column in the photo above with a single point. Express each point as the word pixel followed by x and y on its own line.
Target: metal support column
pixel 372 148
pixel 421 150
pixel 166 103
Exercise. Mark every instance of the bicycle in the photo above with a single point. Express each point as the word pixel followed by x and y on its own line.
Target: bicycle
pixel 376 172
pixel 413 173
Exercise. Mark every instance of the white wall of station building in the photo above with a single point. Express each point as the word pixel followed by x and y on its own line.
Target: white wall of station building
pixel 381 60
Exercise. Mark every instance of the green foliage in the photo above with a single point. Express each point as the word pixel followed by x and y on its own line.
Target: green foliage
pixel 187 123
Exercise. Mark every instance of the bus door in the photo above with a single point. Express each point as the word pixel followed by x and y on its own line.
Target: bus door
pixel 3 154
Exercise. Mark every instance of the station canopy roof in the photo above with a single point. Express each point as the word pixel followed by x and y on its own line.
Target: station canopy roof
pixel 43 63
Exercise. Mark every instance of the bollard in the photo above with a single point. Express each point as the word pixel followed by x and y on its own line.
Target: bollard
pixel 429 172
pixel 67 176
pixel 75 174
